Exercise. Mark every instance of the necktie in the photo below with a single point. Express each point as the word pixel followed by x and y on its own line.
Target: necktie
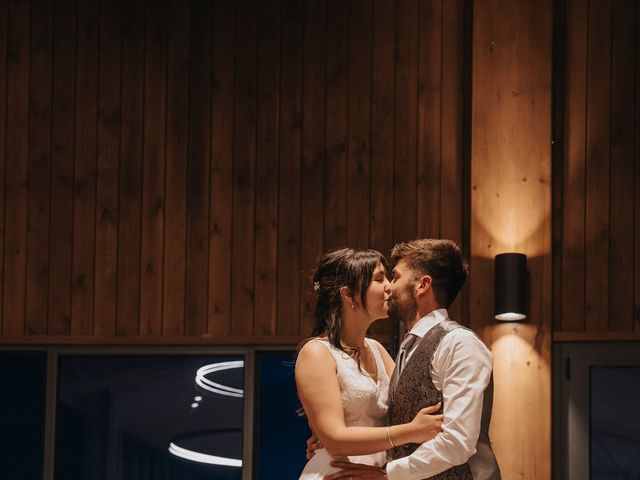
pixel 405 347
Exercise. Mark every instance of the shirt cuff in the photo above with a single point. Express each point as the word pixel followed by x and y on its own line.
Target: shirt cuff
pixel 398 469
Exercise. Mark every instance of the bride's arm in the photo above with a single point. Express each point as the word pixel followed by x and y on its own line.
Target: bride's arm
pixel 319 393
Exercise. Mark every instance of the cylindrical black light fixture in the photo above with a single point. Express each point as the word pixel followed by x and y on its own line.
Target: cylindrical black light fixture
pixel 510 287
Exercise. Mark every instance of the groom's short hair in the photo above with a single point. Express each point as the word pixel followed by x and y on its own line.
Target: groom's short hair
pixel 441 259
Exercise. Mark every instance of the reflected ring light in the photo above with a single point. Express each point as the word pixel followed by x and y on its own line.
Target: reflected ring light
pixel 220 389
pixel 203 457
pixel 204 382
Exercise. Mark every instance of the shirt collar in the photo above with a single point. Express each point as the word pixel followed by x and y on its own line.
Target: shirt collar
pixel 429 321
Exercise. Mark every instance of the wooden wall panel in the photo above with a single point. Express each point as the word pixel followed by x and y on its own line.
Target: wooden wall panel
pixel 4 26
pixel 17 159
pixel 84 185
pixel 130 181
pixel 511 211
pixel 37 295
pixel 220 222
pixel 313 157
pixel 174 252
pixel 289 221
pixel 174 173
pixel 597 48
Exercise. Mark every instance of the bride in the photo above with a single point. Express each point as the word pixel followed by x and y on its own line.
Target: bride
pixel 342 376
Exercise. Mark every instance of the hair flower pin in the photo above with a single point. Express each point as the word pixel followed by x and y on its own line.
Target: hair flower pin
pixel 316 286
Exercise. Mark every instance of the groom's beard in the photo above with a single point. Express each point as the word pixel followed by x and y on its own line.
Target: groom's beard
pixel 404 308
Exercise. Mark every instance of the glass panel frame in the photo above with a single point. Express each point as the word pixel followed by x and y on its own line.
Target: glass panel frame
pixel 53 352
pixel 572 364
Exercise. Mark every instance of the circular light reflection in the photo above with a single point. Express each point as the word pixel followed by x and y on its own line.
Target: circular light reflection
pixel 218 388
pixel 203 457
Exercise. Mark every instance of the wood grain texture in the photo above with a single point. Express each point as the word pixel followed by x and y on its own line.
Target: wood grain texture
pixel 290 283
pixel 177 171
pixel 37 295
pixel 4 25
pixel 597 168
pixel 510 211
pixel 359 111
pixel 244 179
pixel 62 168
pixel 176 158
pixel 598 58
pixel 107 166
pixel 84 183
pixel 337 125
pixel 268 167
pixel 383 125
pixel 622 168
pixel 221 192
pixel 17 159
pixel 130 181
pixel 430 118
pixel 313 153
pixel 406 119
pixel 153 168
pixel 201 35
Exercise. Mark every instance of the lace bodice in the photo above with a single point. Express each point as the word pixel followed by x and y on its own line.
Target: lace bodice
pixel 363 399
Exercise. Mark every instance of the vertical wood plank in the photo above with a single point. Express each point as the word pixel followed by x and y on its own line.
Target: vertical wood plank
pixel 4 24
pixel 243 255
pixel 337 129
pixel 153 168
pixel 290 193
pixel 559 96
pixel 431 139
pixel 175 226
pixel 62 167
pixel 574 195
pixel 636 164
pixel 598 166
pixel 39 168
pixel 267 229
pixel 382 125
pixel 130 185
pixel 17 128
pixel 221 169
pixel 453 177
pixel 196 317
pixel 406 101
pixel 109 129
pixel 622 150
pixel 313 153
pixel 359 147
pixel 84 187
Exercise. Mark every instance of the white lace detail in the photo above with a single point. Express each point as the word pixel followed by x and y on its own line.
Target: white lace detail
pixel 363 399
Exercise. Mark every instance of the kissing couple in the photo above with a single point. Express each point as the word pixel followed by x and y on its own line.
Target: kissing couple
pixel 427 414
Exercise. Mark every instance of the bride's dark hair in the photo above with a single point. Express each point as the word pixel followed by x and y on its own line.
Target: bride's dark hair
pixel 348 268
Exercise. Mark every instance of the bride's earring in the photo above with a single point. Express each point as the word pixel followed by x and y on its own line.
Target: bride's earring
pixel 352 305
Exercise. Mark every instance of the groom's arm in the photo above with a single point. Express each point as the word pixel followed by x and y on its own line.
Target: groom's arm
pixel 461 367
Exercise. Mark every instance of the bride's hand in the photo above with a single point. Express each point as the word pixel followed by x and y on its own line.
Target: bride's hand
pixel 426 424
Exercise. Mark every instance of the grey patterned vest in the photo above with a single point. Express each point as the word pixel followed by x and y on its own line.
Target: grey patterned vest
pixel 415 390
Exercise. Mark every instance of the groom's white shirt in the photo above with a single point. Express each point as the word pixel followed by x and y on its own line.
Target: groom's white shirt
pixel 461 370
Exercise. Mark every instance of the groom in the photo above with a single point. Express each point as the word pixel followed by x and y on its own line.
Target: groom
pixel 439 360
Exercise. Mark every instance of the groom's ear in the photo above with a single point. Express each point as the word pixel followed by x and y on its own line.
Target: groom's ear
pixel 423 285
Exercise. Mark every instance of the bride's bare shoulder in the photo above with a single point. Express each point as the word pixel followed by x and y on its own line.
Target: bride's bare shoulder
pixel 314 354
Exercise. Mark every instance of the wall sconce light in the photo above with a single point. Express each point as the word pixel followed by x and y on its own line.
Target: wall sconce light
pixel 510 287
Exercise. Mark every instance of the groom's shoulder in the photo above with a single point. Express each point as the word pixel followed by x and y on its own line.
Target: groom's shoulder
pixel 458 333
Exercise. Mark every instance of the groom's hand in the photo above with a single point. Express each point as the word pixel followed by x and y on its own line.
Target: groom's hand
pixel 356 470
pixel 313 444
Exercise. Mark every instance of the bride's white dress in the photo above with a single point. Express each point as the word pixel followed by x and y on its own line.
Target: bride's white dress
pixel 365 405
